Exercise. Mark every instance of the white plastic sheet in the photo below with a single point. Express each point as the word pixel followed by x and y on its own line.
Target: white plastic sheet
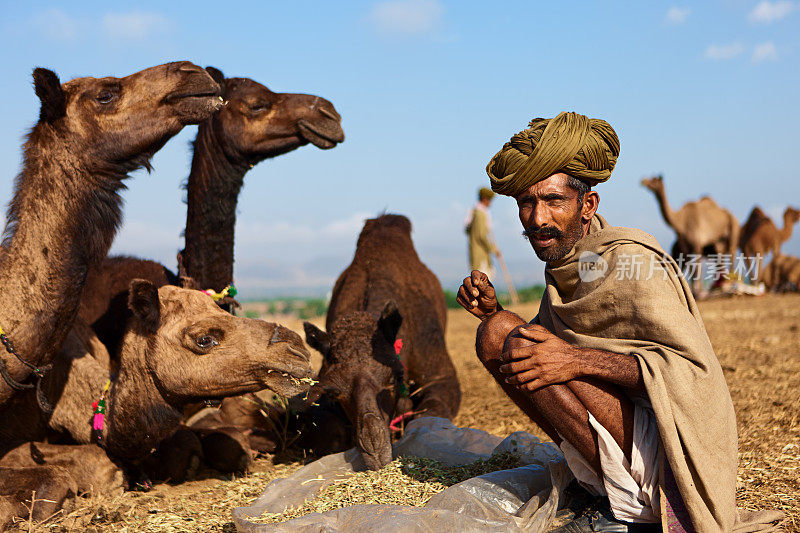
pixel 516 500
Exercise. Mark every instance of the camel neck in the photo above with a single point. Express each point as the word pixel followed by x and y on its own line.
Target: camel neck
pixel 663 205
pixel 212 194
pixel 62 219
pixel 786 231
pixel 138 417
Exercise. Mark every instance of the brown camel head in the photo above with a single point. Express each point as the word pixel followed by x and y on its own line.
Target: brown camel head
pixel 113 120
pixel 791 216
pixel 655 184
pixel 196 351
pixel 257 123
pixel 362 372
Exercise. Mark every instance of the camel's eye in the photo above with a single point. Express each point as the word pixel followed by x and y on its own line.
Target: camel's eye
pixel 258 108
pixel 206 341
pixel 105 97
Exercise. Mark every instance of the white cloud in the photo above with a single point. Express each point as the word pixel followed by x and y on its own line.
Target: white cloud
pixel 134 25
pixel 347 227
pixel 764 52
pixel 406 17
pixel 723 51
pixel 766 11
pixel 57 25
pixel 677 15
pixel 343 230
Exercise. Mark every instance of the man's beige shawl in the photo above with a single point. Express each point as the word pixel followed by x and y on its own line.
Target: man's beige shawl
pixel 652 315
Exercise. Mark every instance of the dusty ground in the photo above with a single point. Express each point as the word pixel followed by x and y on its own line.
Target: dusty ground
pixel 756 339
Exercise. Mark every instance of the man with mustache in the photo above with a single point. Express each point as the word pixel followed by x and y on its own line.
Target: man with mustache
pixel 617 370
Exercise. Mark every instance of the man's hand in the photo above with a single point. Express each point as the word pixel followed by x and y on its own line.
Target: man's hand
pixel 535 358
pixel 477 295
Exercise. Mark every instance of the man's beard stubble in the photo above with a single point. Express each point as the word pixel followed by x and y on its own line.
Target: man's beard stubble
pixel 564 240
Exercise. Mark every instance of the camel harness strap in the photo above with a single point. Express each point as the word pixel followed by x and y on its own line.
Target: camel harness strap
pixel 38 372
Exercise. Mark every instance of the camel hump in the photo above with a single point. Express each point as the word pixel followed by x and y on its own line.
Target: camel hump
pixel 391 222
pixel 706 200
pixel 757 213
pixel 755 219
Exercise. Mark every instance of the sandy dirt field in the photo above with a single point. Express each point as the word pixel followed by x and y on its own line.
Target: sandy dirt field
pixel 757 341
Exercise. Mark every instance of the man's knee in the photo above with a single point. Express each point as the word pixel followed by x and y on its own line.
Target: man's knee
pixel 492 334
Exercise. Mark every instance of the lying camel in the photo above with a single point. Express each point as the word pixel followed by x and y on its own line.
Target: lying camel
pixel 384 302
pixel 35 492
pixel 179 347
pixel 760 236
pixel 783 273
pixel 702 227
pixel 66 206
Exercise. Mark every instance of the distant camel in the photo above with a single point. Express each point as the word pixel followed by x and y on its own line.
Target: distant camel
pixel 702 227
pixel 66 207
pixel 760 236
pixel 180 347
pixel 782 273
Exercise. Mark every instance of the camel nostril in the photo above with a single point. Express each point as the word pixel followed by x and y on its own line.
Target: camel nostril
pixel 289 338
pixel 301 354
pixel 276 335
pixel 330 114
pixel 189 67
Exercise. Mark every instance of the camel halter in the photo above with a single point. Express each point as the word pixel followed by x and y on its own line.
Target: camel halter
pixel 39 374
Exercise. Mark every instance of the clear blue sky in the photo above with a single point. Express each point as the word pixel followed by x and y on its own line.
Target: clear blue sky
pixel 429 90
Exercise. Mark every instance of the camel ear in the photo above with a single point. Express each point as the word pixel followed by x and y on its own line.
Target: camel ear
pixel 48 89
pixel 219 77
pixel 143 301
pixel 216 74
pixel 317 339
pixel 390 320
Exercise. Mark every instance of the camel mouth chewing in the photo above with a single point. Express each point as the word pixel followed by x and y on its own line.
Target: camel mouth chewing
pixel 213 95
pixel 320 137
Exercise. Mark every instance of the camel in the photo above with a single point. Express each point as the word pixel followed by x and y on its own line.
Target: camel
pixel 760 236
pixel 179 347
pixel 702 227
pixel 256 124
pixel 783 273
pixel 52 487
pixel 385 329
pixel 66 206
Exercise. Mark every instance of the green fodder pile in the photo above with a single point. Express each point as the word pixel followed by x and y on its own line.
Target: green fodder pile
pixel 405 481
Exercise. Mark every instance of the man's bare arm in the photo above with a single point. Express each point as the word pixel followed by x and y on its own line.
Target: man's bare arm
pixel 620 369
pixel 538 358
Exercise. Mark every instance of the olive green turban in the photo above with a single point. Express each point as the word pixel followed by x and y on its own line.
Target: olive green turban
pixel 583 147
pixel 485 193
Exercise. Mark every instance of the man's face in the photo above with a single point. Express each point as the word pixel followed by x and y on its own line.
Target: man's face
pixel 551 216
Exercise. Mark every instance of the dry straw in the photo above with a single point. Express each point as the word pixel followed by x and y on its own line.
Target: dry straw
pixel 404 481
